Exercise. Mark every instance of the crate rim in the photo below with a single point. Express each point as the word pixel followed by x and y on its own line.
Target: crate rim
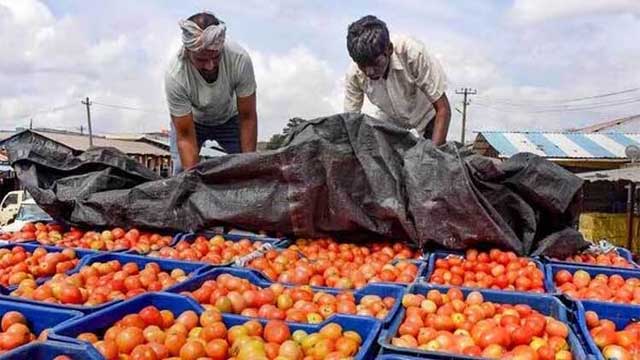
pixel 384 340
pixel 252 276
pixel 368 335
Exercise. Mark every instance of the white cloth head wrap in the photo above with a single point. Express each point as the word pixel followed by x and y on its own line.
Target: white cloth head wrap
pixel 195 39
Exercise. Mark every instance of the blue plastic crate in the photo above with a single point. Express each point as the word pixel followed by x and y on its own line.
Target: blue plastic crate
pixel 237 237
pixel 190 237
pixel 573 321
pixel 422 270
pixel 424 256
pixel 22 241
pixel 191 269
pixel 30 247
pixel 174 239
pixel 19 242
pixel 39 318
pixel 50 349
pixel 552 269
pixel 626 254
pixel 545 304
pixel 120 251
pixel 620 314
pixel 382 290
pixel 99 321
pixel 165 264
pixel 399 357
pixel 443 254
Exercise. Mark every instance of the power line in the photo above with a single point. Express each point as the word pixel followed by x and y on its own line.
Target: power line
pixel 125 107
pixel 562 106
pixel 555 101
pixel 558 110
pixel 70 105
pixel 607 124
pixel 46 111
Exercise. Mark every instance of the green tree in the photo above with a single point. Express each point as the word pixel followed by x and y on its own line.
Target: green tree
pixel 277 140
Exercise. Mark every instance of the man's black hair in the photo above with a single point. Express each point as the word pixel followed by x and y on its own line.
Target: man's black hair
pixel 204 20
pixel 367 39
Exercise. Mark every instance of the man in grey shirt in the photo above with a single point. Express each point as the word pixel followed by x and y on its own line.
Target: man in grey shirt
pixel 211 93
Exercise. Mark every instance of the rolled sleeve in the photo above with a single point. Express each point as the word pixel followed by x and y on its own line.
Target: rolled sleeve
pixel 353 93
pixel 246 84
pixel 429 75
pixel 177 97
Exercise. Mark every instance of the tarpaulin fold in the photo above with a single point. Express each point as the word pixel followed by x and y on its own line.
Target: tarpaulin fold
pixel 347 176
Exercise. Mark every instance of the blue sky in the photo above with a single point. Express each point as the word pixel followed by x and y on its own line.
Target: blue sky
pixel 529 52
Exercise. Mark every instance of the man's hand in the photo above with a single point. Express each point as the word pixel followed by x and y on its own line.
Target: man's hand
pixel 248 123
pixel 186 140
pixel 441 121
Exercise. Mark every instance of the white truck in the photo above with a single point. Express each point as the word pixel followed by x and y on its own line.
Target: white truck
pixel 11 204
pixel 29 212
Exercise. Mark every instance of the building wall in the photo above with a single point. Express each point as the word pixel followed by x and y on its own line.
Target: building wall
pixel 613 228
pixel 604 197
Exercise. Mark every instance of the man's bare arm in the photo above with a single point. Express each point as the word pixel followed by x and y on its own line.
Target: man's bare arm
pixel 186 140
pixel 248 123
pixel 442 120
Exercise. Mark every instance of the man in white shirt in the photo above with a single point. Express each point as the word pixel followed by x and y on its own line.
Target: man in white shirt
pixel 398 76
pixel 211 93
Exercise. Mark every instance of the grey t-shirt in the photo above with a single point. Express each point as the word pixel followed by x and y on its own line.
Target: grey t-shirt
pixel 211 103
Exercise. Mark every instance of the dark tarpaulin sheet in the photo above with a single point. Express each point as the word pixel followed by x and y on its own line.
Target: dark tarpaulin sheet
pixel 347 176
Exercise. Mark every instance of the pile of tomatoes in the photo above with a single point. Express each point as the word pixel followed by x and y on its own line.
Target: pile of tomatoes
pixel 614 344
pixel 614 288
pixel 611 258
pixel 287 266
pixel 30 231
pixel 230 294
pixel 496 269
pixel 17 264
pixel 215 251
pixel 154 334
pixel 107 240
pixel 99 283
pixel 15 331
pixel 329 249
pixel 449 322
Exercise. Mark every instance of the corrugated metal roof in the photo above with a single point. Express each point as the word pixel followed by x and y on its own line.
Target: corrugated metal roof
pixel 81 143
pixel 209 149
pixel 6 134
pixel 560 145
pixel 624 174
pixel 123 136
pixel 161 141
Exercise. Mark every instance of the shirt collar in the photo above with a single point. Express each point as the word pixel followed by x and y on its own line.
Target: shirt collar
pixel 395 64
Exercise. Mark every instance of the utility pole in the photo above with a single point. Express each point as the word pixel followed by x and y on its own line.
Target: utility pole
pixel 88 104
pixel 466 92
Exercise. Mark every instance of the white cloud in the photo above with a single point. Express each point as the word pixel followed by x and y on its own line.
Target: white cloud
pixel 28 12
pixel 293 84
pixel 58 62
pixel 54 56
pixel 530 11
